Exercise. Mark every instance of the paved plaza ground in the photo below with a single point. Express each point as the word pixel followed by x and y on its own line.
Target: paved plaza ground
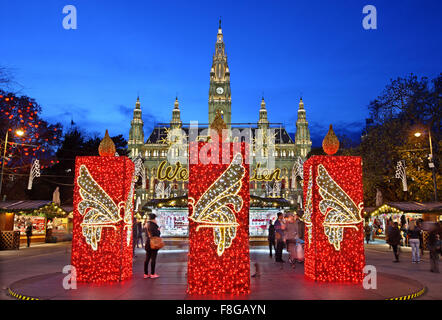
pixel 37 272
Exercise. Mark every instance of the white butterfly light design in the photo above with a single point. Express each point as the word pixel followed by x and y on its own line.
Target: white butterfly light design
pixel 99 210
pixel 211 210
pixel 339 209
pixel 307 216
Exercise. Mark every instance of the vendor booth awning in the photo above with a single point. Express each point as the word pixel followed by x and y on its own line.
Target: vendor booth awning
pixel 404 207
pixel 23 205
pixel 181 202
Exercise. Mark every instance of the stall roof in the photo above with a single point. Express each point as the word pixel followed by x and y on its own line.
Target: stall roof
pixel 279 201
pixel 23 204
pixel 426 207
pixel 408 207
pixel 182 202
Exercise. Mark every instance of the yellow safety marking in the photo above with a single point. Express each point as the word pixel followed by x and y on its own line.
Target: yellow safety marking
pixel 410 296
pixel 19 296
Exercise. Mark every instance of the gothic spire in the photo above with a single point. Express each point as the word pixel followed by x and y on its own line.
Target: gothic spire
pixel 219 91
pixel 136 132
pixel 176 115
pixel 302 137
pixel 263 122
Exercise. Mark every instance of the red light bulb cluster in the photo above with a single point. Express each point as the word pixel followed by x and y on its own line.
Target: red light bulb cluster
pixel 323 262
pixel 112 261
pixel 208 272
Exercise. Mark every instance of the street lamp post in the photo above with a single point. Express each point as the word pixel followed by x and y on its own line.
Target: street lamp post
pixel 17 132
pixel 431 163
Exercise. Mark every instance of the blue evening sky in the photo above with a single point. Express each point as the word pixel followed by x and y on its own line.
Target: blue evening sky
pixel 158 49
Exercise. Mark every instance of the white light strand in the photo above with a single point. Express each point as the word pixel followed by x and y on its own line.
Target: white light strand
pixel 211 210
pixel 34 173
pixel 343 211
pixel 402 174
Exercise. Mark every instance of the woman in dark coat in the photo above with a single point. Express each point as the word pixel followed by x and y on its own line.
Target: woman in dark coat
pixel 151 254
pixel 394 239
pixel 29 233
pixel 271 237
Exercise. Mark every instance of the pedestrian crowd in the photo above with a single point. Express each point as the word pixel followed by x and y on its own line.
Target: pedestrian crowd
pixel 287 232
pixel 397 235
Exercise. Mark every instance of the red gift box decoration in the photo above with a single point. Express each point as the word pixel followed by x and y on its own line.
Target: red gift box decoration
pixel 333 203
pixel 103 213
pixel 219 203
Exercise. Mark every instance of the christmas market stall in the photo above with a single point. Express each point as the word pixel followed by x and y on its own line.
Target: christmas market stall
pixel 402 213
pixel 172 215
pixel 16 215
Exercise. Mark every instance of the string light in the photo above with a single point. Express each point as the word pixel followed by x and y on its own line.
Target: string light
pixel 212 211
pixel 102 241
pixel 343 214
pixel 335 251
pixel 219 201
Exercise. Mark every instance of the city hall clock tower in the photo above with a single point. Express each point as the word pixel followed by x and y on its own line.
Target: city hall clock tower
pixel 219 91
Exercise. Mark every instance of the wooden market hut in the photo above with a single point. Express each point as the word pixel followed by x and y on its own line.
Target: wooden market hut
pixel 398 211
pixel 13 217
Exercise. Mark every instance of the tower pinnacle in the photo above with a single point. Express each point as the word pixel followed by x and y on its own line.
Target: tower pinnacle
pixel 263 122
pixel 302 137
pixel 136 132
pixel 176 115
pixel 219 91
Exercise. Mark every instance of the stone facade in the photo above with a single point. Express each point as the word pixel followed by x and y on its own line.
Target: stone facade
pixel 165 139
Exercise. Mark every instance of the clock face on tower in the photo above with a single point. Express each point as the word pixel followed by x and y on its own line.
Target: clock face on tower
pixel 219 90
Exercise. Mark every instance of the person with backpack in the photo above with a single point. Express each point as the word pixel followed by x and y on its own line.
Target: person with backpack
pixel 153 244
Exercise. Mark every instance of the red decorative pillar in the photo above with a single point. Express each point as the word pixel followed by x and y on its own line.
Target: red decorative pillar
pixel 219 198
pixel 103 213
pixel 334 237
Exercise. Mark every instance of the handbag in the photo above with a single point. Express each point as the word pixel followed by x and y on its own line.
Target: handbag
pixel 156 243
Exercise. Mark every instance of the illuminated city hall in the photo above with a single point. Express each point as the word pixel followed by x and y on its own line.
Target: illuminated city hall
pixel 164 186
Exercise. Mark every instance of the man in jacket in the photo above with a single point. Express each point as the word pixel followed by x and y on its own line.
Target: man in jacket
pixel 279 236
pixel 394 239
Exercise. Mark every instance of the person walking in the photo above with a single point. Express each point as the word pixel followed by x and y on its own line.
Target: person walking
pixel 367 230
pixel 290 234
pixel 151 254
pixel 388 231
pixel 394 239
pixel 29 233
pixel 434 244
pixel 300 229
pixel 49 227
pixel 139 234
pixel 134 236
pixel 271 238
pixel 279 237
pixel 414 233
pixel 421 236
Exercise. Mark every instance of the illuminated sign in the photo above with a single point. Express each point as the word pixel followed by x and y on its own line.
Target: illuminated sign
pixel 180 173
